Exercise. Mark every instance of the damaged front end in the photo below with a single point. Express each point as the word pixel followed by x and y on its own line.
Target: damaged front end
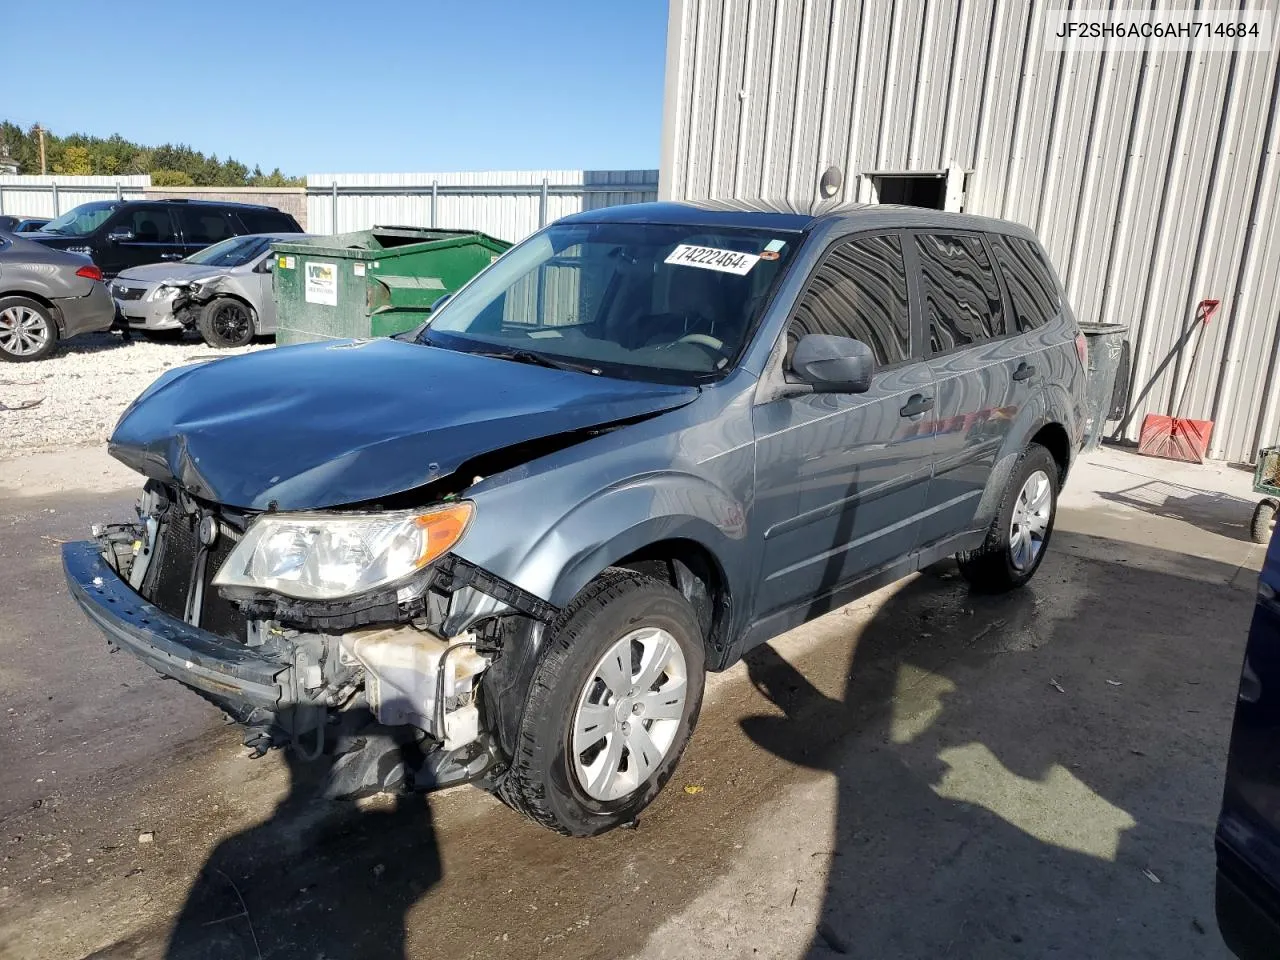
pixel 190 297
pixel 308 631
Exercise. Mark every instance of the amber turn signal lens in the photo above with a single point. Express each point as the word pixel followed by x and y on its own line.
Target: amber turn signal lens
pixel 444 527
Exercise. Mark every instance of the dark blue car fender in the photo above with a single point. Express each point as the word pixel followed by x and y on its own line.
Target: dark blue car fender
pixel 1050 406
pixel 623 519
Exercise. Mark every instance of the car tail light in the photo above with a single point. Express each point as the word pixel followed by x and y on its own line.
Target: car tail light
pixel 1082 348
pixel 90 272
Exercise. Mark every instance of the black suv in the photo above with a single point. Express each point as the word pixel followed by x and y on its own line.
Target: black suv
pixel 119 234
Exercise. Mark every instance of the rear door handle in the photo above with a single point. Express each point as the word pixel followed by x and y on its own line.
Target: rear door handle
pixel 1024 372
pixel 916 405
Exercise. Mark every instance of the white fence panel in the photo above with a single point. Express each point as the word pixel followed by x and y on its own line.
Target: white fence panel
pixel 49 196
pixel 508 204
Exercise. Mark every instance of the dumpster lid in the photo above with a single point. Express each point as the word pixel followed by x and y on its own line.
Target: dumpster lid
pixel 405 283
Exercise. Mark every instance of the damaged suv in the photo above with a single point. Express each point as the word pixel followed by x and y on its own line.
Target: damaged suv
pixel 506 548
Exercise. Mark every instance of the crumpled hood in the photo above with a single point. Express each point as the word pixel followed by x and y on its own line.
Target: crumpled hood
pixel 323 425
pixel 181 272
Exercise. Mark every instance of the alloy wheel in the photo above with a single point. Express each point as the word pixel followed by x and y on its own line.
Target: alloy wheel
pixel 629 713
pixel 23 331
pixel 231 322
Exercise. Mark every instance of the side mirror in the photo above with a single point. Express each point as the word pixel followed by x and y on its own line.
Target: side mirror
pixel 833 364
pixel 121 235
pixel 266 264
pixel 440 302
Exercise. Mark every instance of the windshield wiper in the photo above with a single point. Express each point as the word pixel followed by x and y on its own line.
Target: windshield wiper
pixel 538 359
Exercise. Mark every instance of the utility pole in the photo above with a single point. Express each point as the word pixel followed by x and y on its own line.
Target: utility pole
pixel 40 134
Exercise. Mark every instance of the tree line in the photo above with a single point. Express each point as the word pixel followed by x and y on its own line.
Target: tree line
pixel 169 165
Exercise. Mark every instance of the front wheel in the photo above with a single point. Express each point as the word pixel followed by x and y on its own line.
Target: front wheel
pixel 1020 532
pixel 612 704
pixel 225 323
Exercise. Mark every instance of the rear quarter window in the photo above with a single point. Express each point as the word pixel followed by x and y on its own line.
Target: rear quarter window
pixel 1030 282
pixel 268 221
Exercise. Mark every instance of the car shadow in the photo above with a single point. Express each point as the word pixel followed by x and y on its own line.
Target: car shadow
pixel 1217 513
pixel 318 878
pixel 1031 825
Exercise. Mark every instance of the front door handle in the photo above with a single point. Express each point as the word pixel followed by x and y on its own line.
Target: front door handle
pixel 916 405
pixel 1024 372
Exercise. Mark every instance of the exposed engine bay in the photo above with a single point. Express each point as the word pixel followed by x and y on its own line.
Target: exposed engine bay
pixel 389 683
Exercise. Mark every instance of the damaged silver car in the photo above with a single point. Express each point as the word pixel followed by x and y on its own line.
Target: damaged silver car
pixel 505 549
pixel 223 291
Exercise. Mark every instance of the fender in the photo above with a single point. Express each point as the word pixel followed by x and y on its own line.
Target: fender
pixel 1052 404
pixel 621 520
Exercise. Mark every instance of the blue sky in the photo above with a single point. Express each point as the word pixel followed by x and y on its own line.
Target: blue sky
pixel 383 85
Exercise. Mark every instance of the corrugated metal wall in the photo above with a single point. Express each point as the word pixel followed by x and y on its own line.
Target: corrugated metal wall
pixel 1152 178
pixel 506 215
pixel 33 196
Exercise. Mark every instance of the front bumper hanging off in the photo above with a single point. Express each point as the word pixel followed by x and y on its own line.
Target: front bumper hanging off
pixel 226 670
pixel 271 689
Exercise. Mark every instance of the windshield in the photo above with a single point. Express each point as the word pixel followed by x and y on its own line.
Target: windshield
pixel 231 252
pixel 640 301
pixel 81 220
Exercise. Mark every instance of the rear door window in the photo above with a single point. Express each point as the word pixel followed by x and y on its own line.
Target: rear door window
pixel 961 295
pixel 1031 285
pixel 860 291
pixel 205 226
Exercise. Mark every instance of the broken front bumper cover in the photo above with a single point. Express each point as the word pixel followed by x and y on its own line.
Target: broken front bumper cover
pixel 173 648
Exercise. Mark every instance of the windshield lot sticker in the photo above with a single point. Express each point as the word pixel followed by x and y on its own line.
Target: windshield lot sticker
pixel 322 283
pixel 711 258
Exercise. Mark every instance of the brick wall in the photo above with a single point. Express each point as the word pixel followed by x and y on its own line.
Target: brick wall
pixel 288 199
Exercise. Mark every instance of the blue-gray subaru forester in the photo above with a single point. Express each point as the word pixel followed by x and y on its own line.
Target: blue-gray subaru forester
pixel 505 549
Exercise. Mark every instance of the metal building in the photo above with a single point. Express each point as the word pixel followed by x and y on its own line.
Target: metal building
pixel 1152 177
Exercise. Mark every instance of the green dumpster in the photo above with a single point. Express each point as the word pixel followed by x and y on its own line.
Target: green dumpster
pixel 371 283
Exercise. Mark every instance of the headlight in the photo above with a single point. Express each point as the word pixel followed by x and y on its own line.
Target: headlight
pixel 326 556
pixel 163 292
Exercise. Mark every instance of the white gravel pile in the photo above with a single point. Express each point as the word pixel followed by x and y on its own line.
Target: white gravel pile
pixel 80 391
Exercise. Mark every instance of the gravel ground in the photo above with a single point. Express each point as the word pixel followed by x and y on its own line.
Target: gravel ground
pixel 81 390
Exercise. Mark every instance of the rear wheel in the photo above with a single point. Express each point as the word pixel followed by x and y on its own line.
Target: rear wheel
pixel 225 323
pixel 27 330
pixel 1020 532
pixel 613 702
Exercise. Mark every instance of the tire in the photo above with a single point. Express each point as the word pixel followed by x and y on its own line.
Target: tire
pixel 1264 521
pixel 27 330
pixel 559 777
pixel 226 322
pixel 1006 560
pixel 164 336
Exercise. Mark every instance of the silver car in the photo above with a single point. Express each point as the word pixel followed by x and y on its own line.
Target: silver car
pixel 224 291
pixel 45 296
